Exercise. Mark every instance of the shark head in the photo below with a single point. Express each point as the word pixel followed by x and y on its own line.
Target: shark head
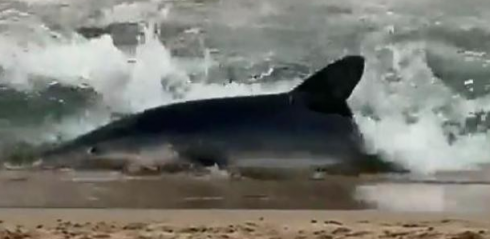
pixel 114 146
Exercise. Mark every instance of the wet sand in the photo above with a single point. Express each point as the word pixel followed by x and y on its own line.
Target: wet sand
pixel 110 205
pixel 113 190
pixel 120 223
pixel 92 189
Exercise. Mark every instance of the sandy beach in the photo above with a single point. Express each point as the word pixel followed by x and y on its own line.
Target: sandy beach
pixel 118 223
pixel 424 102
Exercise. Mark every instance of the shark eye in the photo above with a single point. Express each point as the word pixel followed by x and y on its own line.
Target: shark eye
pixel 93 150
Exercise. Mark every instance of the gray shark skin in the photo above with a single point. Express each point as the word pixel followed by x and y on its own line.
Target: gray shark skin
pixel 309 127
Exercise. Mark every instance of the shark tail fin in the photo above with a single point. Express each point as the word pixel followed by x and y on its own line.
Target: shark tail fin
pixel 328 89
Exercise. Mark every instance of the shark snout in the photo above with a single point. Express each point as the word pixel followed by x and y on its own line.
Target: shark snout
pixel 111 157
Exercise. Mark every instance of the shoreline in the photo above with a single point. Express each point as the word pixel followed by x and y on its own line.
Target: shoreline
pixel 112 190
pixel 201 216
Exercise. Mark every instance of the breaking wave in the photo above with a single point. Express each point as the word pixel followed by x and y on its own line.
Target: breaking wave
pixel 423 100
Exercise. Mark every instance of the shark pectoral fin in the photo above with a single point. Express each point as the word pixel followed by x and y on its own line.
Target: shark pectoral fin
pixel 139 168
pixel 132 168
pixel 204 156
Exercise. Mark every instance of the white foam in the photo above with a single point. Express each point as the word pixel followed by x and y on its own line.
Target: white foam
pixel 419 140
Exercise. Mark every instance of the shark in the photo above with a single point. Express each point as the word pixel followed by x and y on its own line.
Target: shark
pixel 311 126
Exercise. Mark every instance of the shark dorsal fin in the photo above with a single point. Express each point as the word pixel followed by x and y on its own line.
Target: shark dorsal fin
pixel 337 80
pixel 328 89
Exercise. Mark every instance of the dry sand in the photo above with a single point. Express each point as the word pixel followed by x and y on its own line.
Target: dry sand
pixel 227 224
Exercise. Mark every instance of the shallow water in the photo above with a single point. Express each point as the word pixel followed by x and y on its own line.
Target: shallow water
pixel 114 190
